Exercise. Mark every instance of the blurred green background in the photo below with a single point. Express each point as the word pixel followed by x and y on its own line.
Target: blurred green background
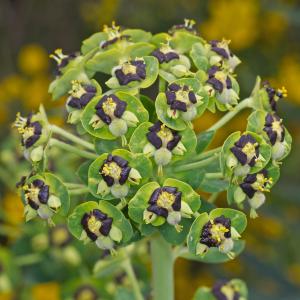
pixel 264 34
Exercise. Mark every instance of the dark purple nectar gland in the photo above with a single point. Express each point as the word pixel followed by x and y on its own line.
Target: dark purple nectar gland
pixel 224 290
pixel 160 135
pixel 60 236
pixel 36 193
pixel 180 97
pixel 80 94
pixel 274 128
pixel 218 79
pixel 62 60
pixel 110 107
pixel 164 200
pixel 114 35
pixel 133 70
pixel 86 292
pixel 188 25
pixel 115 169
pixel 258 182
pixel 215 231
pixel 30 131
pixel 96 223
pixel 246 150
pixel 165 54
pixel 274 95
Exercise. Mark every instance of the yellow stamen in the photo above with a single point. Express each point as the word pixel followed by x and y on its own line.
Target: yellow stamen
pixel 109 106
pixel 283 91
pixel 165 200
pixel 94 224
pixel 112 169
pixel 128 68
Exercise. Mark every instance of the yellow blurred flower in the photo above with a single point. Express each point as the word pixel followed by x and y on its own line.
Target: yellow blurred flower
pixel 289 76
pixel 12 87
pixel 6 296
pixel 13 208
pixel 293 273
pixel 46 291
pixel 233 20
pixel 33 59
pixel 92 12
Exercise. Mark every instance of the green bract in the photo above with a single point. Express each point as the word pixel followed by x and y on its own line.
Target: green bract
pixel 176 119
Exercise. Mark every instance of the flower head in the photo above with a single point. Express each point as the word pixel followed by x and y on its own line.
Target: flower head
pixel 217 233
pixel 225 290
pixel 221 83
pixel 30 131
pixel 246 152
pixel 109 108
pixel 183 100
pixel 98 227
pixel 274 95
pixel 188 25
pixel 274 128
pixel 39 200
pixel 129 71
pixel 116 176
pixel 113 35
pixel 80 94
pixel 165 54
pixel 62 60
pixel 224 57
pixel 166 202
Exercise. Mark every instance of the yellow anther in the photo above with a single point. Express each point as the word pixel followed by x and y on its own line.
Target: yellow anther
pixel 249 149
pixel 217 231
pixel 77 89
pixel 94 224
pixel 165 200
pixel 112 169
pixel 283 91
pixel 109 106
pixel 128 68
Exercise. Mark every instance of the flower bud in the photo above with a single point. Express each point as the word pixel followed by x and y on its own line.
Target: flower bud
pixel 105 243
pixel 118 127
pixel 115 234
pixel 179 149
pixel 234 234
pixel 149 150
pixel 149 216
pixel 185 210
pixel 179 70
pixel 190 114
pixel 130 118
pixel 257 200
pixel 174 217
pixel 119 191
pixel 134 176
pixel 37 154
pixel 231 161
pixel 215 60
pixel 103 188
pixel 226 246
pixel 54 203
pixel 239 195
pixel 44 212
pixel 162 156
pixel 278 150
pixel 201 249
pixel 96 122
pixel 29 213
pixel 74 116
pixel 242 170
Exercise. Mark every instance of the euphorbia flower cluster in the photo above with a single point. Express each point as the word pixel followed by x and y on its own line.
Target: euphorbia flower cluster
pixel 144 162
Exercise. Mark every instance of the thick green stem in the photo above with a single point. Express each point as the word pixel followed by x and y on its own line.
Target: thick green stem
pixel 72 137
pixel 133 280
pixel 71 185
pixel 206 154
pixel 242 105
pixel 73 149
pixel 196 165
pixel 162 269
